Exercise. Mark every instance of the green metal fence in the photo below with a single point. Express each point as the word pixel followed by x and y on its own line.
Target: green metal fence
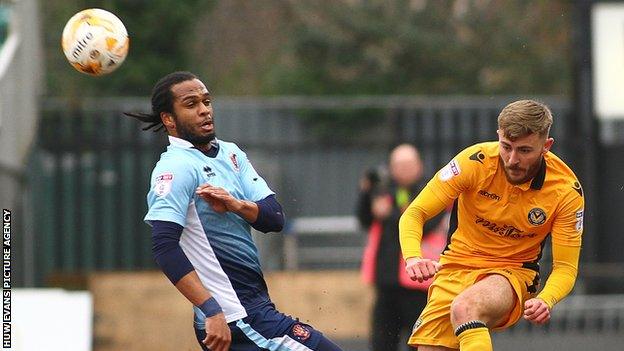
pixel 89 178
pixel 90 170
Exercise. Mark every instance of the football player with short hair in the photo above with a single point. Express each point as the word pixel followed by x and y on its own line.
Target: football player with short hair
pixel 508 197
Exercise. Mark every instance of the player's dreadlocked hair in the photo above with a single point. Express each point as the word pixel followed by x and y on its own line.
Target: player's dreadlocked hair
pixel 162 99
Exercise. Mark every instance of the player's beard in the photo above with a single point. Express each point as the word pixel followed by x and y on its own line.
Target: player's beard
pixel 531 171
pixel 186 132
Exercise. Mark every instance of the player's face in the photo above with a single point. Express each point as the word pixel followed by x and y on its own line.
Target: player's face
pixel 522 157
pixel 192 112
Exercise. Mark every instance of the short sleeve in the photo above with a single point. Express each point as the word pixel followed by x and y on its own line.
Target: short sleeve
pixel 172 188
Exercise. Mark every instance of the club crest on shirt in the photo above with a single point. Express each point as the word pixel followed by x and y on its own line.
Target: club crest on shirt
pixel 162 184
pixel 537 216
pixel 301 332
pixel 234 160
pixel 449 171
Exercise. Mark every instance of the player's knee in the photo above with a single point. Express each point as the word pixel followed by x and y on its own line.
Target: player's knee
pixel 462 311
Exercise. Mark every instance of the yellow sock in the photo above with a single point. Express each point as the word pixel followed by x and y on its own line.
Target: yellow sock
pixel 477 339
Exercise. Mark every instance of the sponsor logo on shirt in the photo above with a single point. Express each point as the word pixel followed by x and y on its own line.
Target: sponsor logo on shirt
pixel 162 184
pixel 489 195
pixel 449 171
pixel 537 216
pixel 504 230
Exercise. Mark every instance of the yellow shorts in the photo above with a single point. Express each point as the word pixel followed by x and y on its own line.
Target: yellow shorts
pixel 434 327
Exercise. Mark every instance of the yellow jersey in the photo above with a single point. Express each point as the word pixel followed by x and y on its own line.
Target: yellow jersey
pixel 495 223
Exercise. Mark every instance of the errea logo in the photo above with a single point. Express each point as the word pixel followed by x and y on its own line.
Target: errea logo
pixel 209 172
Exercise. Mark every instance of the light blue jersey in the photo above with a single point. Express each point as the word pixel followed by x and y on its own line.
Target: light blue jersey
pixel 219 246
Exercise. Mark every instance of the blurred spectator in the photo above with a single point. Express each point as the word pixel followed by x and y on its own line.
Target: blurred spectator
pixel 384 195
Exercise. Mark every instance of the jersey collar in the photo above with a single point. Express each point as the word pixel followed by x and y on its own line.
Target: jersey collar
pixel 538 180
pixel 185 144
pixel 178 142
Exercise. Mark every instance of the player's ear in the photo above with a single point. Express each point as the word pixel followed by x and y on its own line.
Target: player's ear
pixel 548 144
pixel 167 120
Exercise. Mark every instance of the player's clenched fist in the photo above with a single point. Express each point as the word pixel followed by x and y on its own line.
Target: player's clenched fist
pixel 218 335
pixel 536 311
pixel 421 269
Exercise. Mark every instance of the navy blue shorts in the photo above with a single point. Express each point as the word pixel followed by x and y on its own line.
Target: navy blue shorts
pixel 265 328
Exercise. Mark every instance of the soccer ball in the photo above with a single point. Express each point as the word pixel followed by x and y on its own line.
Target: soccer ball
pixel 95 41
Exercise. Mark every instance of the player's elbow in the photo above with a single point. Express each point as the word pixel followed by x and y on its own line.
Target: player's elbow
pixel 274 224
pixel 270 216
pixel 279 226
